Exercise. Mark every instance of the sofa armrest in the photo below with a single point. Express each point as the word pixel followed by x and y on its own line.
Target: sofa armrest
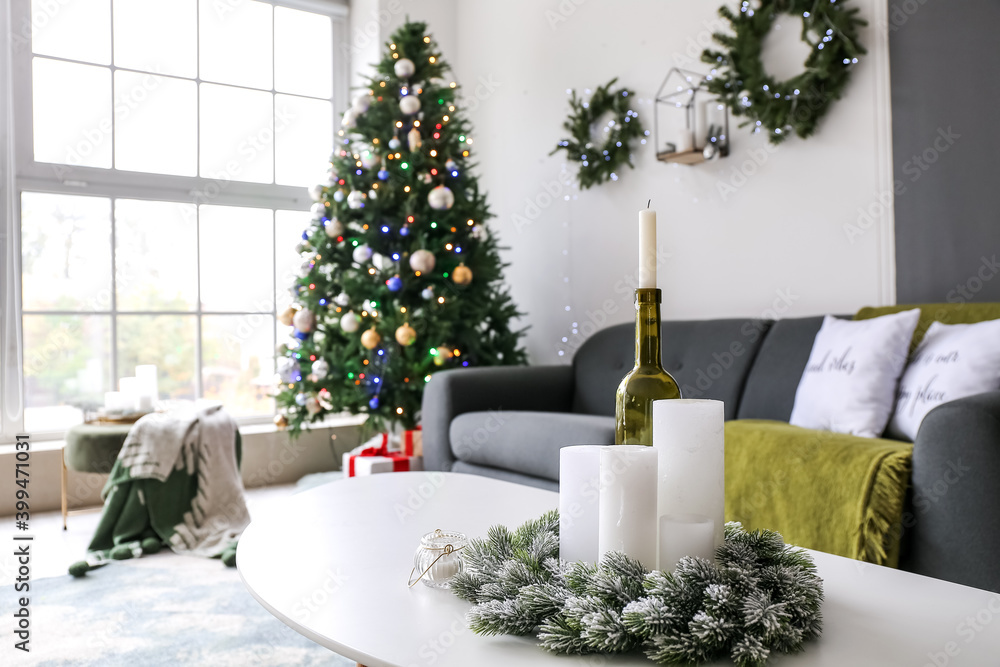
pixel 952 529
pixel 453 392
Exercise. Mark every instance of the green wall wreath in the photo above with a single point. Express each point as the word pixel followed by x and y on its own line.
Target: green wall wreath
pixel 796 104
pixel 600 163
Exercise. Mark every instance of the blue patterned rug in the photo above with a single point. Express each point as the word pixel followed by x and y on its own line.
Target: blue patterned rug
pixel 158 610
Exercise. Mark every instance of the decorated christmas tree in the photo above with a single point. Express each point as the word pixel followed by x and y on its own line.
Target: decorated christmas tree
pixel 400 276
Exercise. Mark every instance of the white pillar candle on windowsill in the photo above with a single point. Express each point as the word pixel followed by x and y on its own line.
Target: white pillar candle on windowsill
pixel 129 388
pixel 628 502
pixel 689 435
pixel 579 493
pixel 690 535
pixel 148 382
pixel 112 401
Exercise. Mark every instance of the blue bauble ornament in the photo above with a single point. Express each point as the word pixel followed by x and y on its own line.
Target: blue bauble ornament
pixel 404 231
pixel 338 196
pixel 383 174
pixel 394 284
pixel 373 404
pixel 301 335
pixel 395 143
pixel 300 399
pixel 305 235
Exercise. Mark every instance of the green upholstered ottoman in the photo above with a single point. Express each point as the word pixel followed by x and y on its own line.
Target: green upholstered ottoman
pixel 95 447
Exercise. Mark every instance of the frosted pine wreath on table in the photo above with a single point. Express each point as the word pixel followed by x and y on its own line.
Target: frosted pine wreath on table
pixel 761 597
pixel 795 105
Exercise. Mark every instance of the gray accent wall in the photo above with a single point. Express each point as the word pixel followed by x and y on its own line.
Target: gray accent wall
pixel 945 62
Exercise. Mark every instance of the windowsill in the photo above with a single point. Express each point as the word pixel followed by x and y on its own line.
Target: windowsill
pixel 338 421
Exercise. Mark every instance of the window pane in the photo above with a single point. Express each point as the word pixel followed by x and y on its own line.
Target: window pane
pixel 71 108
pixel 67 363
pixel 157 36
pixel 288 227
pixel 238 362
pixel 303 53
pixel 156 259
pixel 65 252
pixel 303 131
pixel 74 29
pixel 237 261
pixel 156 128
pixel 235 43
pixel 237 136
pixel 168 341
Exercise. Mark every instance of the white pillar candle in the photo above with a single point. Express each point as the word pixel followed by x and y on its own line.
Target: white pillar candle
pixel 685 141
pixel 647 248
pixel 579 492
pixel 112 400
pixel 129 389
pixel 689 535
pixel 628 502
pixel 689 435
pixel 148 382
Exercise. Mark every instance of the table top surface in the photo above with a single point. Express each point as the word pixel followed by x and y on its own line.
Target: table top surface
pixel 332 563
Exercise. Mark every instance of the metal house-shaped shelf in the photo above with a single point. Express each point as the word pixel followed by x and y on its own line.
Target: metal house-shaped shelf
pixel 686 89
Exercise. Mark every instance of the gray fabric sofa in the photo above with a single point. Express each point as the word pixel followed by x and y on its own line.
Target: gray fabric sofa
pixel 510 422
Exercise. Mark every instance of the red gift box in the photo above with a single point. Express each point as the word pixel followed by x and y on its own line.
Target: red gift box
pixel 372 458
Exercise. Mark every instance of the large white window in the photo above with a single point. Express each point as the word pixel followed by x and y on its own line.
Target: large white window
pixel 162 149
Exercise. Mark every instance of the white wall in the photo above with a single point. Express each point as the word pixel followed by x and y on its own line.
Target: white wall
pixel 777 245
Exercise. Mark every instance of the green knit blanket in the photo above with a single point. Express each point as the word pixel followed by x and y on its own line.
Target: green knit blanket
pixel 831 492
pixel 175 483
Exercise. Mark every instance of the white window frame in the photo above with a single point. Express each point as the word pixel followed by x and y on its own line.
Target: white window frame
pixel 19 173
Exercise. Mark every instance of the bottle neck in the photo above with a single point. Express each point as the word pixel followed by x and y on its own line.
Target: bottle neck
pixel 647 328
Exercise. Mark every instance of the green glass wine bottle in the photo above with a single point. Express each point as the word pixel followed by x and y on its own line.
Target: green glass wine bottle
pixel 647 381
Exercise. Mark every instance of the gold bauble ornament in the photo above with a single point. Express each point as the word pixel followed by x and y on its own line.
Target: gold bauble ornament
pixel 405 334
pixel 462 275
pixel 370 339
pixel 444 353
pixel 288 316
pixel 281 421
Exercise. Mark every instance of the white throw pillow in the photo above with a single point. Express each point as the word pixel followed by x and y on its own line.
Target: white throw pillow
pixel 952 361
pixel 849 384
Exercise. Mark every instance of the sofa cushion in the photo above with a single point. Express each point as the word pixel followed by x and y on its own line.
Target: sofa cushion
pixel 772 382
pixel 946 313
pixel 525 442
pixel 708 358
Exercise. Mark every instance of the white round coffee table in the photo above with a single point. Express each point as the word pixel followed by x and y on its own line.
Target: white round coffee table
pixel 332 563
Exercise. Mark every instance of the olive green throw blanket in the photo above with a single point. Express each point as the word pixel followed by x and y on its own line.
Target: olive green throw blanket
pixel 176 483
pixel 826 491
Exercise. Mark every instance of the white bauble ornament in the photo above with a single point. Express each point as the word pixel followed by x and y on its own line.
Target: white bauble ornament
pixel 395 143
pixel 361 102
pixel 338 196
pixel 381 262
pixel 478 232
pixel 450 165
pixel 350 322
pixel 426 178
pixel 427 293
pixel 413 139
pixel 334 228
pixel 368 159
pixel 288 369
pixel 404 68
pixel 342 299
pixel 409 104
pixel 318 210
pixel 423 261
pixel 356 199
pixel 316 192
pixel 304 320
pixel 441 198
pixel 373 194
pixel 312 406
pixel 320 368
pixel 301 246
pixel 368 306
pixel 350 119
pixel 305 268
pixel 362 254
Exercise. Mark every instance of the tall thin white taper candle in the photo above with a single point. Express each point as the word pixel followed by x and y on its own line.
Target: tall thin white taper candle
pixel 647 248
pixel 579 492
pixel 628 502
pixel 689 434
